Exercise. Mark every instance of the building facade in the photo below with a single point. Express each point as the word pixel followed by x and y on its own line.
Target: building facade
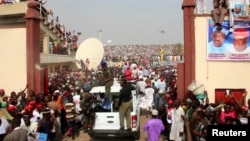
pixel 217 75
pixel 26 53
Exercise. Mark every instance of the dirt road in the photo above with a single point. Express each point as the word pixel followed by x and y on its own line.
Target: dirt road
pixel 86 137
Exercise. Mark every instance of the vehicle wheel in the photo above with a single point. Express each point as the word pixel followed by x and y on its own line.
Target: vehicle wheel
pixel 137 134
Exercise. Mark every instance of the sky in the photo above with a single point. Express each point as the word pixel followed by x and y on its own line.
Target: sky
pixel 122 22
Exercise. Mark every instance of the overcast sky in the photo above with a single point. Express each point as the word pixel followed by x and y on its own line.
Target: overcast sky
pixel 123 22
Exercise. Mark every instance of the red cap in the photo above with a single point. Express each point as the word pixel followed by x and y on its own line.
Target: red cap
pixel 28 108
pixel 167 96
pixel 10 108
pixel 2 91
pixel 39 106
pixel 32 103
pixel 170 102
pixel 240 33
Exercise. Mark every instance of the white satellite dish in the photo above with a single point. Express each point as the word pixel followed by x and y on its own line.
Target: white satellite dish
pixel 91 49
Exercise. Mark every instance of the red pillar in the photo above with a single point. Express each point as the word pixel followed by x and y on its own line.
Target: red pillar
pixel 46 81
pixel 189 47
pixel 180 80
pixel 32 45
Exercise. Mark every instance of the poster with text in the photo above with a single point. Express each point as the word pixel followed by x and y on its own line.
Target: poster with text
pixel 226 44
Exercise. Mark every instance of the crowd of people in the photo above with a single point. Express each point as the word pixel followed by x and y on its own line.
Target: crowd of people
pixel 189 120
pixel 144 54
pixel 69 103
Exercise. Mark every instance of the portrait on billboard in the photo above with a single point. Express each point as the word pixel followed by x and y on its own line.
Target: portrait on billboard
pixel 227 45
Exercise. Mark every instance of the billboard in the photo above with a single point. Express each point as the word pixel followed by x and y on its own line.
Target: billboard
pixel 227 45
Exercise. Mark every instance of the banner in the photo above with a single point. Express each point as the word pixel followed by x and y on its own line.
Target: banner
pixel 226 45
pixel 41 137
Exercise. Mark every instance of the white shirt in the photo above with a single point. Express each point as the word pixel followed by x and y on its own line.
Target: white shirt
pixel 140 73
pixel 36 116
pixel 31 128
pixel 162 85
pixel 76 99
pixel 156 82
pixel 134 73
pixel 177 124
pixel 149 96
pixel 140 86
pixel 170 113
pixel 4 125
pixel 243 120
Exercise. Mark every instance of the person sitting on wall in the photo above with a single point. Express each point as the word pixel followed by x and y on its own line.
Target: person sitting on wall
pixel 201 6
pixel 219 12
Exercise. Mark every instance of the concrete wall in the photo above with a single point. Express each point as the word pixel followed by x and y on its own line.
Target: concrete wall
pixel 13 55
pixel 16 8
pixel 13 71
pixel 217 74
pixel 52 67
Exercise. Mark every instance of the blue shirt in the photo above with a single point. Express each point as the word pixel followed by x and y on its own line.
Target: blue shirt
pixel 107 105
pixel 213 49
pixel 145 72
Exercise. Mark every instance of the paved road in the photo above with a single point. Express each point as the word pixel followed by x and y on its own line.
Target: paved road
pixel 85 136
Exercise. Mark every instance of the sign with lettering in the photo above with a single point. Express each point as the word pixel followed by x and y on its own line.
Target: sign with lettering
pixel 228 45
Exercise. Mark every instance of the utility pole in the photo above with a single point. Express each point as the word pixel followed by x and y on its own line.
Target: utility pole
pixel 100 34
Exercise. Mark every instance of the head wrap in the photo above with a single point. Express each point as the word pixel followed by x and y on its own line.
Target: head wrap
pixel 223 30
pixel 103 63
pixel 154 112
pixel 56 92
pixel 39 106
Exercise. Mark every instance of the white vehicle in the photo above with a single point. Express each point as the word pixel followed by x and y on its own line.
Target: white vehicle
pixel 107 124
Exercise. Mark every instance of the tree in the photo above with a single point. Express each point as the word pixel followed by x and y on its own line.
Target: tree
pixel 178 49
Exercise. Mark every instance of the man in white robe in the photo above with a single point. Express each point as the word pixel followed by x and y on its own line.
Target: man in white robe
pixel 149 97
pixel 177 128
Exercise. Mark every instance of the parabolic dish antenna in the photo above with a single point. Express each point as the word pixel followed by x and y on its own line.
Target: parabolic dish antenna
pixel 91 49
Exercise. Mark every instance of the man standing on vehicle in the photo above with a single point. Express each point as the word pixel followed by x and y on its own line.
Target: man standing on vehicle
pixel 107 79
pixel 125 104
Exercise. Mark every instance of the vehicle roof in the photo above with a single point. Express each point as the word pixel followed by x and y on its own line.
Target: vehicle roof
pixel 115 88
